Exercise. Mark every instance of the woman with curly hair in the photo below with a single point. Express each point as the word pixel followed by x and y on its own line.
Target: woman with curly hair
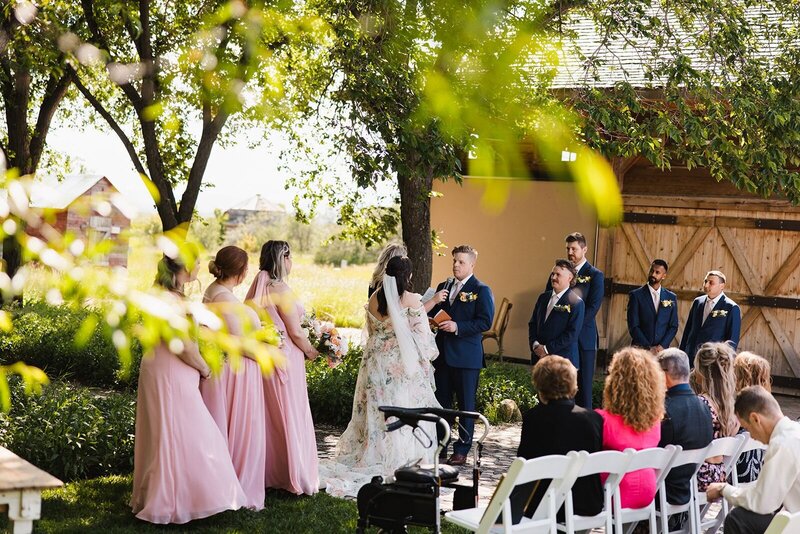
pixel 714 382
pixel 751 370
pixel 633 405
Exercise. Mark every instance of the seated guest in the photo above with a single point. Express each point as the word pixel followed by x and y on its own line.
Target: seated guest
pixel 557 317
pixel 653 311
pixel 713 381
pixel 779 483
pixel 751 370
pixel 633 405
pixel 687 421
pixel 556 426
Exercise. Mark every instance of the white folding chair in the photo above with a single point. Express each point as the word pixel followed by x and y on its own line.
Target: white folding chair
pixel 615 464
pixel 750 444
pixel 560 470
pixel 694 457
pixel 729 448
pixel 784 523
pixel 659 460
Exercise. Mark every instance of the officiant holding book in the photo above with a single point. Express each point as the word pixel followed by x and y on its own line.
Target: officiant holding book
pixel 470 305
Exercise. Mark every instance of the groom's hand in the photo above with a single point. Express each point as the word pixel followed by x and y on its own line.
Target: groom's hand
pixel 448 326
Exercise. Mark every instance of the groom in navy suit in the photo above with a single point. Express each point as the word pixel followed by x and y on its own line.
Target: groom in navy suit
pixel 557 317
pixel 712 317
pixel 589 285
pixel 653 311
pixel 470 305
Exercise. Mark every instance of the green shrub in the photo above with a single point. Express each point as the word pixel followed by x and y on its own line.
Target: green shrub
pixel 331 391
pixel 44 336
pixel 71 432
pixel 354 252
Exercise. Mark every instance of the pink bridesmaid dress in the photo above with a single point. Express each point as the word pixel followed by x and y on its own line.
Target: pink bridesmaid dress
pixel 292 462
pixel 637 488
pixel 235 400
pixel 181 468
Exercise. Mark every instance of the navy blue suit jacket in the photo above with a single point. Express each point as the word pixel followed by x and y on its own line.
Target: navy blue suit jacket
pixel 723 324
pixel 473 317
pixel 647 327
pixel 590 287
pixel 559 333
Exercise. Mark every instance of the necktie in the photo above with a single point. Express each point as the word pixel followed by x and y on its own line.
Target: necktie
pixel 655 300
pixel 550 305
pixel 454 291
pixel 707 310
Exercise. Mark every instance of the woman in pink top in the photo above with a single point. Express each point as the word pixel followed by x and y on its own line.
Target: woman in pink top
pixel 235 397
pixel 292 462
pixel 633 405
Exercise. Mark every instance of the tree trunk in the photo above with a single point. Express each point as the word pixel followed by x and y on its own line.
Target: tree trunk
pixel 415 217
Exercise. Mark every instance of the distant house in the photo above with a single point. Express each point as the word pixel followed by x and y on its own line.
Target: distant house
pixel 255 206
pixel 77 205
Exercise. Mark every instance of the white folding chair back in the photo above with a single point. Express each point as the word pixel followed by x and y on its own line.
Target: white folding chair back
pixel 784 523
pixel 729 448
pixel 560 470
pixel 615 465
pixel 750 444
pixel 658 459
pixel 694 457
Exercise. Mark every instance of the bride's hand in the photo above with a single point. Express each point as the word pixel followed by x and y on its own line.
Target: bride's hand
pixel 312 355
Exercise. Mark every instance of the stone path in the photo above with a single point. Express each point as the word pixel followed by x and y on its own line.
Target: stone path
pixel 499 451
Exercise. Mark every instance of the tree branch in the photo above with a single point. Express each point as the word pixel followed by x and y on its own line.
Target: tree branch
pixel 54 92
pixel 112 123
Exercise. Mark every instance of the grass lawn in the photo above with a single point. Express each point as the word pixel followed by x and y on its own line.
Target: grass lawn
pixel 101 505
pixel 333 293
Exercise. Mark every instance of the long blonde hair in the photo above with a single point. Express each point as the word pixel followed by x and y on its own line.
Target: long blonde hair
pixel 713 378
pixel 389 251
pixel 752 370
pixel 635 389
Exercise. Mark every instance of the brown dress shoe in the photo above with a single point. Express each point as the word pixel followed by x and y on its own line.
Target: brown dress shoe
pixel 457 459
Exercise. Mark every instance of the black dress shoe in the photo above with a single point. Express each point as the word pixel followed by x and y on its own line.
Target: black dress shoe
pixel 457 459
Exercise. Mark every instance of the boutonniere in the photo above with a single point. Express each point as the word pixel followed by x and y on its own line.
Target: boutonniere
pixel 583 279
pixel 467 297
pixel 667 303
pixel 719 313
pixel 562 308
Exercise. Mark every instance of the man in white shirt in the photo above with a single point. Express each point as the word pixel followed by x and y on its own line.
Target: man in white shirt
pixel 778 484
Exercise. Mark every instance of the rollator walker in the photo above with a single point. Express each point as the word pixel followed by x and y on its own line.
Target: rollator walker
pixel 412 497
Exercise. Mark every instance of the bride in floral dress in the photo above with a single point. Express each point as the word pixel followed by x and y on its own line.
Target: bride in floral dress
pixel 396 370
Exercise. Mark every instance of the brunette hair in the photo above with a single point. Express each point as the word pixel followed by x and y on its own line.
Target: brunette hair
pixel 168 268
pixel 752 370
pixel 389 251
pixel 635 389
pixel 713 378
pixel 229 262
pixel 661 263
pixel 566 264
pixel 398 267
pixel 466 249
pixel 272 259
pixel 756 399
pixel 555 378
pixel 576 236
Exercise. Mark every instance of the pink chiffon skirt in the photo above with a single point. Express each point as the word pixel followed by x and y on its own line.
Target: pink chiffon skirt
pixel 235 400
pixel 182 468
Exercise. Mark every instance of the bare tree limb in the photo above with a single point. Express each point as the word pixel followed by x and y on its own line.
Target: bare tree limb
pixel 112 123
pixel 54 92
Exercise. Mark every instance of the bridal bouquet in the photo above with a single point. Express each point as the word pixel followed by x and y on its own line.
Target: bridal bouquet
pixel 325 338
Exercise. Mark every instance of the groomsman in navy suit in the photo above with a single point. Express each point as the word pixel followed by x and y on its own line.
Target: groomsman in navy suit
pixel 557 317
pixel 589 285
pixel 653 311
pixel 470 304
pixel 712 317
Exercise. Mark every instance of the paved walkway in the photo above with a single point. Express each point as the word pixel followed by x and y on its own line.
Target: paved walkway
pixel 499 450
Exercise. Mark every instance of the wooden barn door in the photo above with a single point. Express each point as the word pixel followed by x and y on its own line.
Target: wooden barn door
pixel 759 252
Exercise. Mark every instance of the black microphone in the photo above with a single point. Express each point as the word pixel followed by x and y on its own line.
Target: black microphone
pixel 449 284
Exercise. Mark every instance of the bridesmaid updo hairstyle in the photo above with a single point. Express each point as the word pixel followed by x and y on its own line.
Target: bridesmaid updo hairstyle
pixel 398 267
pixel 229 262
pixel 272 258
